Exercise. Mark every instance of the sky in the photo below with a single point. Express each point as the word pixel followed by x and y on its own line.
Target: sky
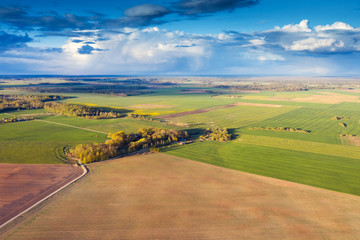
pixel 180 37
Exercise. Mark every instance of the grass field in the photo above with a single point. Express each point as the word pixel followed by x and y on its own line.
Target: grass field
pixel 168 97
pixel 234 117
pixel 164 197
pixel 167 196
pixel 319 122
pixel 105 125
pixel 320 170
pixel 318 158
pixel 40 142
pixel 300 145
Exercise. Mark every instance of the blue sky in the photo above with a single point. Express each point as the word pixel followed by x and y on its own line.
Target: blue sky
pixel 180 37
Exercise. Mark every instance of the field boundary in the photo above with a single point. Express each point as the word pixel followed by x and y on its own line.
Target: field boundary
pixel 63 124
pixel 85 171
pixel 278 181
pixel 67 125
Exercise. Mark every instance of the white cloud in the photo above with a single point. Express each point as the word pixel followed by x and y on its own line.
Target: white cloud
pixel 317 44
pixel 270 57
pixel 303 26
pixel 155 50
pixel 334 26
pixel 338 37
pixel 158 50
pixel 148 49
pixel 257 42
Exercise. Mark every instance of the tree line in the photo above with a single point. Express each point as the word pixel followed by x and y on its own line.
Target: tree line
pixel 121 143
pixel 25 102
pixel 109 89
pixel 16 102
pixel 142 117
pixel 15 119
pixel 287 129
pixel 146 118
pixel 74 110
pixel 287 85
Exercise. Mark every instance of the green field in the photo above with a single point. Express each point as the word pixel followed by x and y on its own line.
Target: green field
pixel 40 142
pixel 319 170
pixel 234 117
pixel 319 158
pixel 318 121
pixel 105 125
pixel 179 102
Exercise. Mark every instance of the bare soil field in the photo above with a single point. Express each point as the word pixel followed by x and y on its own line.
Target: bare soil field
pixel 158 196
pixel 204 110
pixel 351 90
pixel 22 185
pixel 351 140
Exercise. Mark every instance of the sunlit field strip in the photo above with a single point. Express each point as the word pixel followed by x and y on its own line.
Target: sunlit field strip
pixel 325 171
pixel 299 145
pixel 319 122
pixel 234 117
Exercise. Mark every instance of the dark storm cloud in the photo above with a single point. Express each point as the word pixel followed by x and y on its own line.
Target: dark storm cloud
pixel 47 21
pixel 87 49
pixel 150 14
pixel 146 11
pixel 53 50
pixel 54 24
pixel 138 16
pixel 9 41
pixel 69 33
pixel 199 7
pixel 141 15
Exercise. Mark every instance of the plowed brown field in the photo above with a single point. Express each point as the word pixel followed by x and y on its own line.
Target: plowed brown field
pixel 158 196
pixel 22 185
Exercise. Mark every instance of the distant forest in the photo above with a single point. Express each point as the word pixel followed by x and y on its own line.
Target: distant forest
pixel 15 102
pixel 132 86
pixel 121 90
pixel 25 102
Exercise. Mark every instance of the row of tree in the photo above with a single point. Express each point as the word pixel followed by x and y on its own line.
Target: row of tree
pixel 15 119
pixel 121 143
pixel 287 85
pixel 146 118
pixel 111 89
pixel 75 110
pixel 216 134
pixel 141 117
pixel 287 129
pixel 15 102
